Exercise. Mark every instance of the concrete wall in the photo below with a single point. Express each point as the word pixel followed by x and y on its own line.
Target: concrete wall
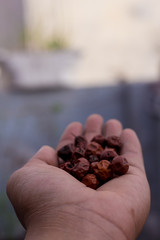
pixel 11 24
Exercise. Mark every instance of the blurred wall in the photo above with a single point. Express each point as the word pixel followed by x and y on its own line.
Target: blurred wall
pixel 90 21
pixel 11 24
pixel 116 38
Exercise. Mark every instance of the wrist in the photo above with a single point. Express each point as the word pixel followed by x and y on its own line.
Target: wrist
pixel 79 227
pixel 59 234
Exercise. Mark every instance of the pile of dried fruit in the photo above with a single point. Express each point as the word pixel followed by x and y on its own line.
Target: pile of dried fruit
pixel 94 163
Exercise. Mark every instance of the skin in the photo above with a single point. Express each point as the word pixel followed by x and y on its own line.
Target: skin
pixel 51 204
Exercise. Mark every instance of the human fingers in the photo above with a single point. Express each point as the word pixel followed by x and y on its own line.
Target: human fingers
pixel 112 128
pixel 132 189
pixel 72 130
pixel 93 126
pixel 131 149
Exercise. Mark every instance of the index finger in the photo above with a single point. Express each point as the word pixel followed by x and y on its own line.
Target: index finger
pixel 72 130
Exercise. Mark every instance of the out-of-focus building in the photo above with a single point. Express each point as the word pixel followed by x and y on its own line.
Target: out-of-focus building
pixel 114 39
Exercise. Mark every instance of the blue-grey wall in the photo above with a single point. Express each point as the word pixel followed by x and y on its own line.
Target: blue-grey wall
pixel 11 24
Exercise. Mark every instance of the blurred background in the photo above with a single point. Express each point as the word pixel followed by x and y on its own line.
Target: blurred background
pixel 63 60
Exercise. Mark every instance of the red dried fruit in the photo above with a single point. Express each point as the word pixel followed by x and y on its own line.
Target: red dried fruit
pixel 93 158
pixel 80 141
pixel 114 142
pixel 90 180
pixel 66 152
pixel 101 169
pixel 108 154
pixel 119 165
pixel 101 140
pixel 80 168
pixel 94 149
pixel 93 164
pixel 78 153
pixel 67 166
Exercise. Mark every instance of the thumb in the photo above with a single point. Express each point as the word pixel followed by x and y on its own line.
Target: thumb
pixel 45 155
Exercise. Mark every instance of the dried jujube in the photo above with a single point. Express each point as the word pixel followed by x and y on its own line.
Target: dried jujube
pixel 101 169
pixel 100 139
pixel 94 149
pixel 78 152
pixel 108 154
pixel 81 167
pixel 67 166
pixel 80 141
pixel 119 165
pixel 90 180
pixel 66 152
pixel 114 142
pixel 93 158
pixel 93 163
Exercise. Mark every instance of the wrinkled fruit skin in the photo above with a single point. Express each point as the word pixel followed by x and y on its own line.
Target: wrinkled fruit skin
pixel 78 153
pixel 101 169
pixel 93 158
pixel 66 152
pixel 90 180
pixel 119 165
pixel 93 163
pixel 80 168
pixel 80 142
pixel 100 140
pixel 108 154
pixel 114 142
pixel 94 149
pixel 67 166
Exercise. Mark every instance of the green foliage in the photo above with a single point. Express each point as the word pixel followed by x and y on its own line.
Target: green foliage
pixel 57 108
pixel 57 43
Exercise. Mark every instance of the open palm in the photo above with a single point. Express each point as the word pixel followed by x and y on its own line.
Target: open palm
pixel 48 199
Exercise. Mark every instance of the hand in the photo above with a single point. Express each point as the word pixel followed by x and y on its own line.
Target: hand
pixel 52 204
